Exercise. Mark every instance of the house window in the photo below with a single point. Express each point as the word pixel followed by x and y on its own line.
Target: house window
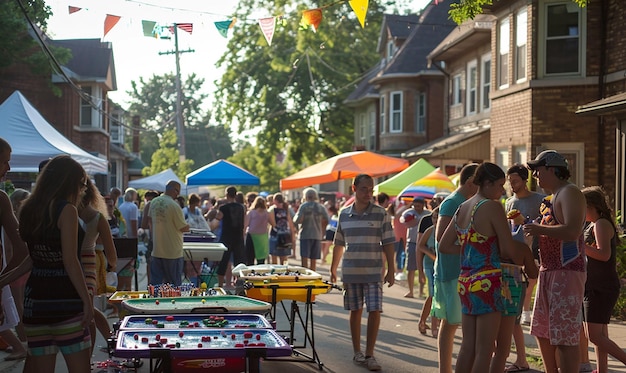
pixel 521 23
pixel 503 54
pixel 472 85
pixel 114 176
pixel 485 85
pixel 382 114
pixel 372 143
pixel 90 107
pixel 362 131
pixel 520 154
pixel 562 38
pixel 502 158
pixel 396 112
pixel 391 49
pixel 420 112
pixel 115 129
pixel 456 89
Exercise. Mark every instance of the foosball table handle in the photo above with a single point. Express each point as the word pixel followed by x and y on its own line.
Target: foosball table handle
pixel 217 309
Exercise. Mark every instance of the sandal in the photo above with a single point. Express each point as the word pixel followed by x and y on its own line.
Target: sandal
pixel 516 368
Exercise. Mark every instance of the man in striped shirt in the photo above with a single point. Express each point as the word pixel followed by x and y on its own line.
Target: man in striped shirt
pixel 364 231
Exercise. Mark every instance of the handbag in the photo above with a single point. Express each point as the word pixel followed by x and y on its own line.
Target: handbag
pixel 284 239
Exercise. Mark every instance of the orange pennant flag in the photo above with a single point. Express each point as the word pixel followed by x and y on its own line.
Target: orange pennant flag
pixel 311 17
pixel 360 9
pixel 73 9
pixel 110 22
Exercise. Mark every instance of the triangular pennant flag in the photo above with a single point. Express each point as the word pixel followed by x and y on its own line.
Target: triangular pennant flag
pixel 185 27
pixel 268 25
pixel 148 28
pixel 311 17
pixel 360 9
pixel 73 9
pixel 171 29
pixel 223 26
pixel 109 22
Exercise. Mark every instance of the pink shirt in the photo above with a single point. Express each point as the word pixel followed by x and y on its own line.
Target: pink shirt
pixel 258 221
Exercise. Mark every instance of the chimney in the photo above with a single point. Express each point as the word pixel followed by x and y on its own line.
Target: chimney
pixel 136 127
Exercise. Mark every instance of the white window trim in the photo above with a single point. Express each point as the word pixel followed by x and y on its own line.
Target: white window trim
pixel 485 58
pixel 543 27
pixel 391 49
pixel 505 24
pixel 362 130
pixel 468 91
pixel 372 132
pixel 96 115
pixel 517 44
pixel 420 113
pixel 502 158
pixel 456 90
pixel 383 109
pixel 577 148
pixel 393 111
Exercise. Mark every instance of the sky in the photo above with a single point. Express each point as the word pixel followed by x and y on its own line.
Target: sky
pixel 137 55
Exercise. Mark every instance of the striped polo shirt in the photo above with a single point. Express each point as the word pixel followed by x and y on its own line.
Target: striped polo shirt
pixel 363 236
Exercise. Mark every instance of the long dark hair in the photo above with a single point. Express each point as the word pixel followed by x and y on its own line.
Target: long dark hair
pixel 596 198
pixel 60 180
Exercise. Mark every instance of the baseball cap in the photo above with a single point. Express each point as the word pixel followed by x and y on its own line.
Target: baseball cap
pixel 548 158
pixel 418 199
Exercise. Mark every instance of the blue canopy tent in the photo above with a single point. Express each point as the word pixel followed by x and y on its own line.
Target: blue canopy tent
pixel 221 172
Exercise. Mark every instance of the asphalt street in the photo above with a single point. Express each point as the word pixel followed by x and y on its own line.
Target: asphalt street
pixel 400 347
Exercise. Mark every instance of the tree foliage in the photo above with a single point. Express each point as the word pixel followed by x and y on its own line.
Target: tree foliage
pixel 291 93
pixel 168 156
pixel 154 100
pixel 468 9
pixel 269 173
pixel 18 44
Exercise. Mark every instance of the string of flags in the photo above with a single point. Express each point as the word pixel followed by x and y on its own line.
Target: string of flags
pixel 311 18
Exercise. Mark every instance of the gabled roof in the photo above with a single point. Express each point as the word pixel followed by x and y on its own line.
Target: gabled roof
pixel 467 37
pixel 91 60
pixel 364 89
pixel 398 26
pixel 434 25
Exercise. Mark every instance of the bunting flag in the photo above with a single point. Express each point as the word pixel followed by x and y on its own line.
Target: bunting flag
pixel 268 25
pixel 148 28
pixel 110 22
pixel 360 9
pixel 73 9
pixel 185 27
pixel 224 26
pixel 311 17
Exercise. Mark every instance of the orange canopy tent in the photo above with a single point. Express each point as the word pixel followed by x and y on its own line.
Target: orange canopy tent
pixel 344 166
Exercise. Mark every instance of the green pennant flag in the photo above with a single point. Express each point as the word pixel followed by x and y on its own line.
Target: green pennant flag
pixel 148 28
pixel 223 26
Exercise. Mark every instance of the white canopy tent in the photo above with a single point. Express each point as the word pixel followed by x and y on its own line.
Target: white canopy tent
pixel 33 139
pixel 155 182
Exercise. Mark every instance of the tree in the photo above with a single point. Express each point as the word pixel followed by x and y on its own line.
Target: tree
pixel 18 45
pixel 154 100
pixel 269 173
pixel 292 92
pixel 167 156
pixel 465 9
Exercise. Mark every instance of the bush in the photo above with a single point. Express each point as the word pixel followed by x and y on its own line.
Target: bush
pixel 619 311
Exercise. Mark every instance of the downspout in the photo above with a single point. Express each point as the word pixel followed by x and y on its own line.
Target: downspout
pixel 601 85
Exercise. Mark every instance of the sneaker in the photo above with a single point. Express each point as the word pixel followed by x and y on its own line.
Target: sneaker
pixel 525 320
pixel 585 368
pixel 400 276
pixel 372 364
pixel 359 358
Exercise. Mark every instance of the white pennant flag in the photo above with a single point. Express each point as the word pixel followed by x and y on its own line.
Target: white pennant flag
pixel 268 26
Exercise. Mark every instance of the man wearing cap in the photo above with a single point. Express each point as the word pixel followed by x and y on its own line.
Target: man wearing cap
pixel 557 314
pixel 411 218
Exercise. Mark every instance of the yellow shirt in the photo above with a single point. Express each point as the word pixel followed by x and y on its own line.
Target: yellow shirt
pixel 167 222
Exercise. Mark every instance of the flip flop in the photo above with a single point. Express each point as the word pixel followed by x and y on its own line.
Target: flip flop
pixel 515 368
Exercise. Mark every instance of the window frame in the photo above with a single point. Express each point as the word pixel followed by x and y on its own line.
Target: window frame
pixel 420 112
pixel 504 43
pixel 521 50
pixel 95 116
pixel 543 39
pixel 485 82
pixel 456 90
pixel 382 108
pixel 396 124
pixel 471 92
pixel 372 134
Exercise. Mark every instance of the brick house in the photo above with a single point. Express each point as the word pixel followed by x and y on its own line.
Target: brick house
pixel 397 104
pixel 551 57
pixel 82 111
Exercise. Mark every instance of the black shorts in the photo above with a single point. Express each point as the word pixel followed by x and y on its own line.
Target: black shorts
pixel 598 305
pixel 329 235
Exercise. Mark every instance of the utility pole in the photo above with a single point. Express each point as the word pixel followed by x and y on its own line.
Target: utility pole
pixel 180 126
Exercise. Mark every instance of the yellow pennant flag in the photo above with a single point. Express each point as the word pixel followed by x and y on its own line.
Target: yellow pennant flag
pixel 360 9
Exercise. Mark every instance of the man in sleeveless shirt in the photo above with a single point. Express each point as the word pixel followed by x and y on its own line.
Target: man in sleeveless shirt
pixel 557 314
